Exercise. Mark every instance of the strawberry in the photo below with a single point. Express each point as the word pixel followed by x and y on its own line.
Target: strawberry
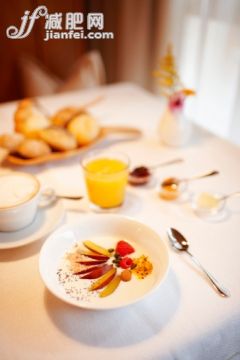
pixel 123 248
pixel 125 263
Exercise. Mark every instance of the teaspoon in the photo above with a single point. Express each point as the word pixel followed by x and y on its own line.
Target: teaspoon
pixel 141 175
pixel 179 242
pixel 225 197
pixel 69 197
pixel 51 194
pixel 175 181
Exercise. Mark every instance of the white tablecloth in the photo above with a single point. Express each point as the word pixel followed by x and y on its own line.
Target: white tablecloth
pixel 185 319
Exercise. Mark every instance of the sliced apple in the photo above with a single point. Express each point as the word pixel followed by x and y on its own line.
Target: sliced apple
pixel 111 287
pixel 94 256
pixel 94 262
pixel 103 280
pixel 95 274
pixel 87 270
pixel 96 248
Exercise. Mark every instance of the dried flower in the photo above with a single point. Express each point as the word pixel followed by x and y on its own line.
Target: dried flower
pixel 170 83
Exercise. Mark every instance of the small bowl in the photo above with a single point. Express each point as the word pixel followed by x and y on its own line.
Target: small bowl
pixel 139 181
pixel 210 211
pixel 173 193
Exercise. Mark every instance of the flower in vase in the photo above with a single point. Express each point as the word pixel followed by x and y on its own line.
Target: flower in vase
pixel 170 82
pixel 175 129
pixel 176 101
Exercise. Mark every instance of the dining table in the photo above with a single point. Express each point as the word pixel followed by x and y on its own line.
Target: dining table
pixel 184 319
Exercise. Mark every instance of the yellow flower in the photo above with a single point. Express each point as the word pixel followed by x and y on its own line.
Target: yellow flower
pixel 188 92
pixel 168 76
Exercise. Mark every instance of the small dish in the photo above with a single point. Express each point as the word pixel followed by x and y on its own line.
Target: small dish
pixel 174 192
pixel 208 204
pixel 141 175
pixel 45 221
pixel 105 230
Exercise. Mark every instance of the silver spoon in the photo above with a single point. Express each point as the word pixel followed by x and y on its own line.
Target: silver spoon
pixel 179 242
pixel 69 197
pixel 164 163
pixel 50 193
pixel 225 197
pixel 141 175
pixel 175 182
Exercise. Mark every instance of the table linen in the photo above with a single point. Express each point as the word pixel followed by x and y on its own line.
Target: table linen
pixel 185 319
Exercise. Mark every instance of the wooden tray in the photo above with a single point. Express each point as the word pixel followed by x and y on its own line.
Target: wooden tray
pixel 131 133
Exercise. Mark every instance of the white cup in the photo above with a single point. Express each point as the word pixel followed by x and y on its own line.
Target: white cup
pixel 20 196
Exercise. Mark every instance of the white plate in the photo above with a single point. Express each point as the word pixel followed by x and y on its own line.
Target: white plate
pixel 46 220
pixel 105 230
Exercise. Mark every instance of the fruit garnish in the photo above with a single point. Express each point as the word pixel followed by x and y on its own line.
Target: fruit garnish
pixel 126 275
pixel 91 262
pixel 97 272
pixel 94 255
pixel 87 270
pixel 96 248
pixel 125 262
pixel 143 267
pixel 123 248
pixel 116 259
pixel 103 280
pixel 111 287
pixel 101 270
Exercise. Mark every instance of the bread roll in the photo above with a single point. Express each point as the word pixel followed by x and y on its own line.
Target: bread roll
pixel 29 120
pixel 30 149
pixel 84 128
pixel 3 154
pixel 63 116
pixel 58 138
pixel 11 141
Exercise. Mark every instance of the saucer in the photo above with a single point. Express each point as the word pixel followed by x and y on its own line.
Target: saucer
pixel 46 220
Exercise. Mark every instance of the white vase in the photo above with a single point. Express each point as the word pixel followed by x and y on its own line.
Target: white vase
pixel 175 128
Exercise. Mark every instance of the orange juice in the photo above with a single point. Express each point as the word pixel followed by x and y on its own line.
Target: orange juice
pixel 106 180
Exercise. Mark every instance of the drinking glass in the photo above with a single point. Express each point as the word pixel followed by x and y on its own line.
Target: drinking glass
pixel 106 176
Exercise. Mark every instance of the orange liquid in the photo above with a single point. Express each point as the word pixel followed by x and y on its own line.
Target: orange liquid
pixel 106 181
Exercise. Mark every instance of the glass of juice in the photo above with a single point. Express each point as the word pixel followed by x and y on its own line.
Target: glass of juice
pixel 106 176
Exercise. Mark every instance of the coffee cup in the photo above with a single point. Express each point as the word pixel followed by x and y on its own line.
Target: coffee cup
pixel 20 196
